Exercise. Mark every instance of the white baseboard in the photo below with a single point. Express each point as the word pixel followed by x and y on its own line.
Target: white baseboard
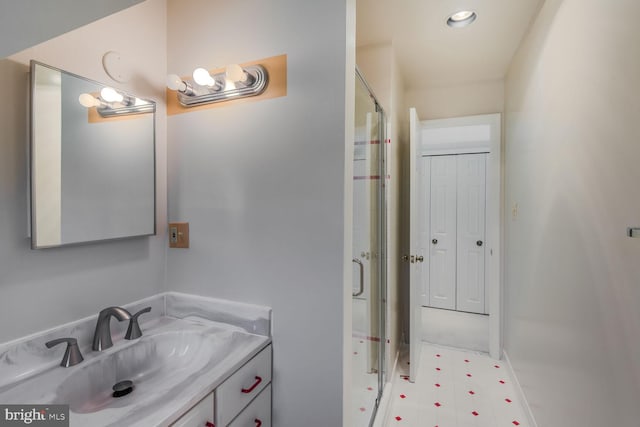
pixel 514 379
pixel 384 408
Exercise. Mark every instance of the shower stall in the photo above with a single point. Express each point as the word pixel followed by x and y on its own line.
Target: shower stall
pixel 369 255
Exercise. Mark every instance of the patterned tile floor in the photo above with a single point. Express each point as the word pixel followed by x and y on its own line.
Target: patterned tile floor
pixel 455 388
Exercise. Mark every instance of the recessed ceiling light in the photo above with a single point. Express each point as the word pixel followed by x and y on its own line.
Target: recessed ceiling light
pixel 461 18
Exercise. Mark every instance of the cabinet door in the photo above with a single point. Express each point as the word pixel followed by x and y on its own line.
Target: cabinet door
pixel 471 232
pixel 258 413
pixel 442 259
pixel 199 415
pixel 242 387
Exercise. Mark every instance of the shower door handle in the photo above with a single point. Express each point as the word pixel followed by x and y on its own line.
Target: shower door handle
pixel 361 289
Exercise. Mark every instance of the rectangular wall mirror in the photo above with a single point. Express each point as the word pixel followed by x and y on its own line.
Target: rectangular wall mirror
pixel 92 161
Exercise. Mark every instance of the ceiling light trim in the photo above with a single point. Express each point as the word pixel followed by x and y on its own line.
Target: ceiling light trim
pixel 461 18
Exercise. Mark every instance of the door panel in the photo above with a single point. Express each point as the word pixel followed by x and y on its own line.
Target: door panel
pixel 415 269
pixel 424 241
pixel 471 232
pixel 368 256
pixel 442 259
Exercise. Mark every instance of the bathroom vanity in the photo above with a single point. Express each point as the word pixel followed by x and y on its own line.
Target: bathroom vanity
pixel 199 362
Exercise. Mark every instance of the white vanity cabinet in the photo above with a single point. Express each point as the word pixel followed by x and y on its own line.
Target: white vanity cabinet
pixel 258 413
pixel 236 396
pixel 200 415
pixel 242 400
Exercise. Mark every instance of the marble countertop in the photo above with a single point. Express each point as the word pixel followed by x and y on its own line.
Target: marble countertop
pixel 233 334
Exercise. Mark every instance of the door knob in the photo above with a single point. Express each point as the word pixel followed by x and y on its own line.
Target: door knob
pixel 405 258
pixel 434 241
pixel 420 258
pixel 479 243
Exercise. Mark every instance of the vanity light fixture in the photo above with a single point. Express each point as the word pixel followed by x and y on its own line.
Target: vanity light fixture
pixel 111 103
pixel 236 82
pixel 461 18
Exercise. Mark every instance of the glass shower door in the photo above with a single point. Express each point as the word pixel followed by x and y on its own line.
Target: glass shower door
pixel 368 293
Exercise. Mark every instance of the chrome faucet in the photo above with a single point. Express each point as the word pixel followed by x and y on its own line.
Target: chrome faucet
pixel 102 336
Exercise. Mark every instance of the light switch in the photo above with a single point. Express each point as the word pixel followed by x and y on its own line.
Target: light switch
pixel 178 234
pixel 633 232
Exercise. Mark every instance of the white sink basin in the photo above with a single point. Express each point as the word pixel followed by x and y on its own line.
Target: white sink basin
pixel 164 361
pixel 173 366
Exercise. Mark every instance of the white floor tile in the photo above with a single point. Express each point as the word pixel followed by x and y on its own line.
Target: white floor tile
pixel 455 388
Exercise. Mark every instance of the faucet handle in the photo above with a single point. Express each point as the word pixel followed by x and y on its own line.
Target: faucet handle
pixel 133 331
pixel 72 355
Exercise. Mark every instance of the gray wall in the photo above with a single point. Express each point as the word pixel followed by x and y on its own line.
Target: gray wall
pixel 572 150
pixel 262 185
pixel 24 23
pixel 43 288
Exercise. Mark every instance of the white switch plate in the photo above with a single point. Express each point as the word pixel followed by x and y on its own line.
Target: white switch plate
pixel 633 231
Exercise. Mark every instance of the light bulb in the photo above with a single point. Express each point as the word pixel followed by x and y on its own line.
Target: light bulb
pixel 109 94
pixel 88 100
pixel 461 19
pixel 235 73
pixel 461 16
pixel 174 82
pixel 203 78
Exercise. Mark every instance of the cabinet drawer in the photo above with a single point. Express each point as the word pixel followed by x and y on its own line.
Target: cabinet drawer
pixel 199 415
pixel 240 389
pixel 258 413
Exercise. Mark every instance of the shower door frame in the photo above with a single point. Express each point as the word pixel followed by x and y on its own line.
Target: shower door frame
pixel 382 243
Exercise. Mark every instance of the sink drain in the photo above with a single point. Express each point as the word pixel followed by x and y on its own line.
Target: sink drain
pixel 122 388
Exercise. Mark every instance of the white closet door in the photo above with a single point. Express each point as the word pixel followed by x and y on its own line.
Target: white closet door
pixel 471 232
pixel 442 259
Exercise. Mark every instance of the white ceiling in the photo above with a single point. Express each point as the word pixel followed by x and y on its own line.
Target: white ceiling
pixel 432 54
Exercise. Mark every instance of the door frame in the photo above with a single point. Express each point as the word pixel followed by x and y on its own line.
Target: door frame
pixel 493 254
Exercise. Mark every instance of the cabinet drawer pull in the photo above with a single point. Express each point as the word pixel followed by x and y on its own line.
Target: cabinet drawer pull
pixel 253 387
pixel 258 422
